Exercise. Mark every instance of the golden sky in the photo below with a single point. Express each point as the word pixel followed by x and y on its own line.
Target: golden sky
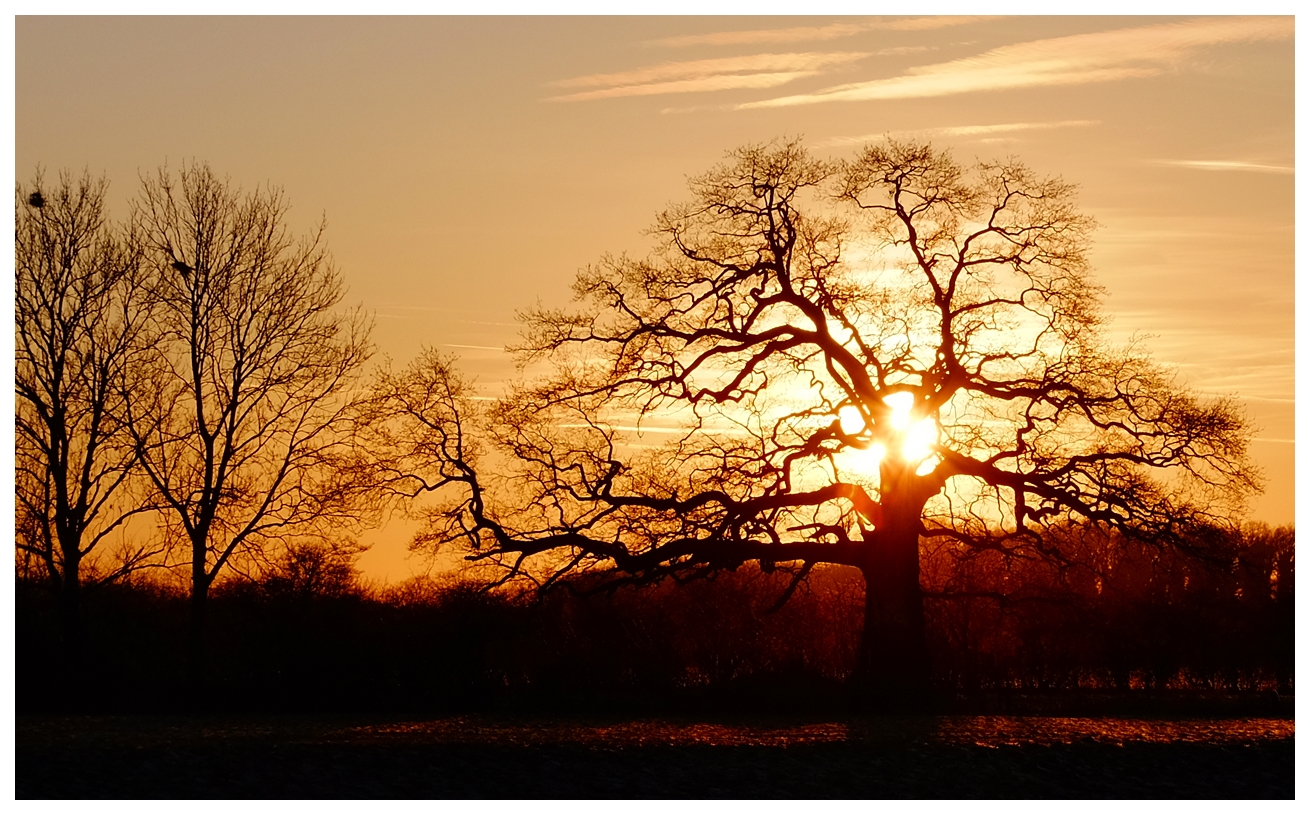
pixel 469 166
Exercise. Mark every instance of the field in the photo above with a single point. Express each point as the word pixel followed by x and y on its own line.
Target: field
pixel 486 757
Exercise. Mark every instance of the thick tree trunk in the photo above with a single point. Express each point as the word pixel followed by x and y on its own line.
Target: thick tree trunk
pixel 893 660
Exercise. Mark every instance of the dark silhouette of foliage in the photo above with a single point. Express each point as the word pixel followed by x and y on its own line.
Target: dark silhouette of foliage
pixel 1142 618
pixel 312 569
pixel 1151 628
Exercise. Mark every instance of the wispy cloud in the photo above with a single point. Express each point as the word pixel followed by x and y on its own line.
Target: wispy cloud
pixel 1078 59
pixel 1228 166
pixel 979 130
pixel 959 130
pixel 813 33
pixel 721 82
pixel 693 109
pixel 903 49
pixel 706 67
pixel 754 71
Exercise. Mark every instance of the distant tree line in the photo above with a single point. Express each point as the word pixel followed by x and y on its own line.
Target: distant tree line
pixel 310 634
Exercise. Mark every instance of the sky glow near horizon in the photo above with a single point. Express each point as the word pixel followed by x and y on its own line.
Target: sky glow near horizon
pixel 467 167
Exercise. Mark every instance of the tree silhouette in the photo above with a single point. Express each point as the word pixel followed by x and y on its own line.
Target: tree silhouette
pixel 80 305
pixel 240 427
pixel 834 362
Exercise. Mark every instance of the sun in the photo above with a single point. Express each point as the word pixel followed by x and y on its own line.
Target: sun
pixel 912 440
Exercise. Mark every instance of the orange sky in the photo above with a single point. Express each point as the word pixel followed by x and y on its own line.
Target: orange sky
pixel 469 166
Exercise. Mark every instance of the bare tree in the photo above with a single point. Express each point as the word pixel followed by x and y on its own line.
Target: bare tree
pixel 240 429
pixel 79 307
pixel 837 362
pixel 422 430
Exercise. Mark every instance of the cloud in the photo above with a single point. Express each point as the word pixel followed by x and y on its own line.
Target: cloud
pixel 959 130
pixel 1230 166
pixel 693 109
pixel 813 33
pixel 904 49
pixel 1079 59
pixel 754 71
pixel 976 130
pixel 708 83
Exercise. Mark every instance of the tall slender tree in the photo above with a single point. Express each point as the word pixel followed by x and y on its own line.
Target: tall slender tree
pixel 80 312
pixel 240 429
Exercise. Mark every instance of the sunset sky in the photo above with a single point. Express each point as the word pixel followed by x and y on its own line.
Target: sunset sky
pixel 467 167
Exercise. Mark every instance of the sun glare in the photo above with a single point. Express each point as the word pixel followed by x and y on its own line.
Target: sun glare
pixel 919 439
pixel 852 423
pixel 914 440
pixel 874 456
pixel 864 463
pixel 901 404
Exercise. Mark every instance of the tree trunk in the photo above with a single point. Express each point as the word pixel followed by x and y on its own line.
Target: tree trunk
pixel 71 642
pixel 893 658
pixel 70 602
pixel 197 645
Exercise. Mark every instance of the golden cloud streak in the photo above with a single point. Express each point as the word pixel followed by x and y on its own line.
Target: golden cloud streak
pixel 815 33
pixel 1230 166
pixel 1079 59
pixel 754 71
pixel 961 130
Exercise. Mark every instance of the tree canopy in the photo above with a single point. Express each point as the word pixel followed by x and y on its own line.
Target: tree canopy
pixel 831 362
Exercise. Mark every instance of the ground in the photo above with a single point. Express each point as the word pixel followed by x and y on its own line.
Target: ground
pixel 481 757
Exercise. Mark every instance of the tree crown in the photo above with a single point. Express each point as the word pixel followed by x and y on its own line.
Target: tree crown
pixel 823 354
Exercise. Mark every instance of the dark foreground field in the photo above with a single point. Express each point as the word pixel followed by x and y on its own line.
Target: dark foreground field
pixel 472 757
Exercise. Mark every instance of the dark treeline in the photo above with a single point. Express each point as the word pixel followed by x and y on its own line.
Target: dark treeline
pixel 309 634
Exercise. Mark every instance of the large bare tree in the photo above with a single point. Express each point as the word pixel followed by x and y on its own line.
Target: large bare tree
pixel 836 362
pixel 79 311
pixel 240 428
